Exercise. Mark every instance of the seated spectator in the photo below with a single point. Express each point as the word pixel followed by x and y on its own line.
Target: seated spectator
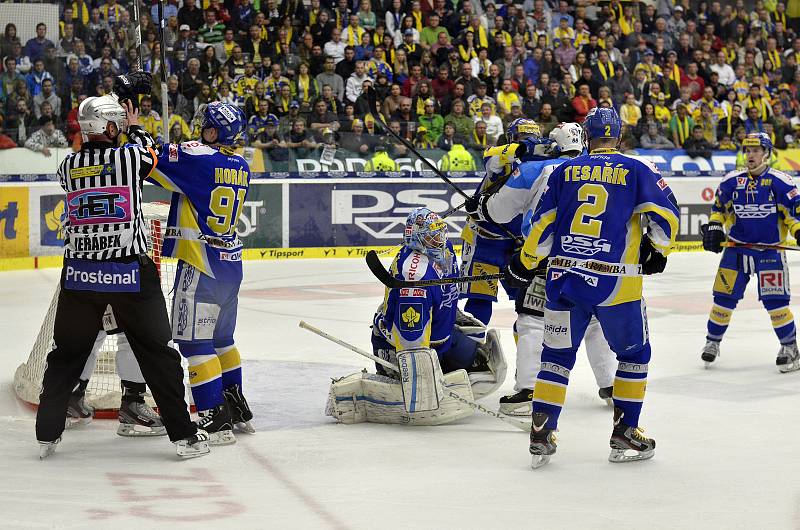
pixel 321 119
pixel 708 122
pixel 681 126
pixel 395 147
pixel 448 138
pixel 506 97
pixel 150 120
pixel 546 120
pixel 433 122
pixel 305 88
pixel 476 100
pixel 753 123
pixel 697 146
pixel 653 139
pixel 37 76
pixel 9 78
pixel 331 78
pixel 421 139
pixel 355 83
pixel 356 141
pixel 630 113
pixel 462 123
pixel 47 136
pixel 299 139
pixel 178 100
pixel 660 110
pixel 178 119
pixel 479 141
pixel 442 85
pixel 582 103
pixel 424 93
pixel 494 125
pixel 47 95
pixel 727 144
pixel 36 46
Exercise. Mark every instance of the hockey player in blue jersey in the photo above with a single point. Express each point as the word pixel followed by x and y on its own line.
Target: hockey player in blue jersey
pixel 487 247
pixel 210 184
pixel 590 223
pixel 759 205
pixel 519 196
pixel 415 328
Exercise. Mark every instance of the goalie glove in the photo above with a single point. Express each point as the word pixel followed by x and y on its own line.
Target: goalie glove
pixel 652 261
pixel 128 85
pixel 713 236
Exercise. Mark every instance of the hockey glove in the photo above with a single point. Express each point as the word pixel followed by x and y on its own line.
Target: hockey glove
pixel 652 261
pixel 516 274
pixel 713 236
pixel 471 205
pixel 527 149
pixel 134 83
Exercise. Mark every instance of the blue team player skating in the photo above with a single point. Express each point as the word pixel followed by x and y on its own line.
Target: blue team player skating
pixel 604 220
pixel 488 245
pixel 210 185
pixel 519 195
pixel 415 329
pixel 759 206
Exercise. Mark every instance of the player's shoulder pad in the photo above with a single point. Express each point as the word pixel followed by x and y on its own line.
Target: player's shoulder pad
pixel 783 177
pixel 415 266
pixel 193 147
pixel 731 176
pixel 643 162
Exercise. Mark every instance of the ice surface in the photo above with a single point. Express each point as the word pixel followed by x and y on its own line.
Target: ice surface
pixel 727 454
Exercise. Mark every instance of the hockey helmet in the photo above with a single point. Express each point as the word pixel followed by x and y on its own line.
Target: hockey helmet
pixel 568 137
pixel 522 128
pixel 227 119
pixel 426 232
pixel 602 123
pixel 762 140
pixel 94 114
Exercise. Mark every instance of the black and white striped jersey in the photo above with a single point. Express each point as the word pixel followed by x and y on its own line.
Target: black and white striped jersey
pixel 104 198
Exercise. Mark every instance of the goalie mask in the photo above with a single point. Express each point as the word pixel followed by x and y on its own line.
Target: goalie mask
pixel 95 113
pixel 426 232
pixel 757 149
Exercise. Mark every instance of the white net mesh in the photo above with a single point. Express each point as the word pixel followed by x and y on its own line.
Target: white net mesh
pixel 103 392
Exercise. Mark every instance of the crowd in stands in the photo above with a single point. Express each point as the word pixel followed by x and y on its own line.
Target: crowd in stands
pixel 450 74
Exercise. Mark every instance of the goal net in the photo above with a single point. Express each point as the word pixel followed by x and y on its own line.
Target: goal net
pixel 104 391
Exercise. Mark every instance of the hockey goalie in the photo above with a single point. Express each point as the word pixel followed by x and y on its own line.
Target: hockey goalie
pixel 420 331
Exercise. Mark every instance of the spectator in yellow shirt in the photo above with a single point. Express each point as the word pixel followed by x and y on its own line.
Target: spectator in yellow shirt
pixel 661 110
pixel 630 113
pixel 506 97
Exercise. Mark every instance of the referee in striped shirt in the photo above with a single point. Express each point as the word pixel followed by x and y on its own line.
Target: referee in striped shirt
pixel 106 263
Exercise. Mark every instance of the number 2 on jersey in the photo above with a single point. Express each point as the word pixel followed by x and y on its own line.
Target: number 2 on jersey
pixel 594 198
pixel 226 208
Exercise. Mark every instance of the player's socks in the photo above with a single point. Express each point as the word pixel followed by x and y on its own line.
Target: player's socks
pixel 628 443
pixel 518 404
pixel 136 418
pixel 710 352
pixel 543 440
pixel 231 365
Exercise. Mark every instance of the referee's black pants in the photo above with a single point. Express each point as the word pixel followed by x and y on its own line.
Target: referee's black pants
pixel 143 317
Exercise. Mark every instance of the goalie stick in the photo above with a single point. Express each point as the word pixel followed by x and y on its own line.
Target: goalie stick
pixel 519 424
pixel 386 278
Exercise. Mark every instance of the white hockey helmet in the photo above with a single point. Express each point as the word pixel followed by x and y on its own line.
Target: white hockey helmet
pixel 94 113
pixel 568 137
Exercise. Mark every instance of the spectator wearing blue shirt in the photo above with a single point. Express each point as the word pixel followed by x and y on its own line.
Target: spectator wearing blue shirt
pixel 34 48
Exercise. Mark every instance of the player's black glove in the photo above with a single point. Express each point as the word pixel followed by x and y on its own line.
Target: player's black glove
pixel 713 236
pixel 128 85
pixel 472 204
pixel 516 274
pixel 652 261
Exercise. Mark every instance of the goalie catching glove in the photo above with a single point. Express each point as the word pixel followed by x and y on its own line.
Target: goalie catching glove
pixel 713 236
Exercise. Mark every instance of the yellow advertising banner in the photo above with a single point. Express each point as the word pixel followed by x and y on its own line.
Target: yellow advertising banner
pixel 14 230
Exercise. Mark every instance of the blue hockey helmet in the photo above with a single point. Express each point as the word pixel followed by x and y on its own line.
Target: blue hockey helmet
pixel 602 123
pixel 758 139
pixel 272 120
pixel 522 128
pixel 426 232
pixel 227 119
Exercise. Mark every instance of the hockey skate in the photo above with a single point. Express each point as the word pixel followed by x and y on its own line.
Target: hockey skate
pixel 629 444
pixel 136 418
pixel 788 358
pixel 193 446
pixel 217 423
pixel 239 409
pixel 710 352
pixel 518 404
pixel 47 448
pixel 471 326
pixel 78 412
pixel 607 394
pixel 543 441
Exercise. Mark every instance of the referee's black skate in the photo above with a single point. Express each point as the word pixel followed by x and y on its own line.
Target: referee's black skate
pixel 217 423
pixel 710 352
pixel 239 409
pixel 519 404
pixel 543 440
pixel 136 418
pixel 629 444
pixel 788 359
pixel 78 412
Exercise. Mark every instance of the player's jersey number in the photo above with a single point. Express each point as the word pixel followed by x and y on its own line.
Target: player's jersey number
pixel 226 207
pixel 594 199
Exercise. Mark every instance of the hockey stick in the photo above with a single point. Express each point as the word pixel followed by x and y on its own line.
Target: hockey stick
pixel 386 278
pixel 164 74
pixel 519 424
pixel 137 34
pixel 758 246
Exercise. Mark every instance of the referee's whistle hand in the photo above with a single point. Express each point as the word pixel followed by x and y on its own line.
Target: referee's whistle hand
pixel 133 113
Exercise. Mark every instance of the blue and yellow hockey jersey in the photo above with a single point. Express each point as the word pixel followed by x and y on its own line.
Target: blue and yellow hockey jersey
pixel 419 317
pixel 757 209
pixel 210 188
pixel 590 221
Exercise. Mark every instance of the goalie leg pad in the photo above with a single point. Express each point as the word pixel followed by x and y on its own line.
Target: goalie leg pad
pixel 420 378
pixel 484 383
pixel 361 397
